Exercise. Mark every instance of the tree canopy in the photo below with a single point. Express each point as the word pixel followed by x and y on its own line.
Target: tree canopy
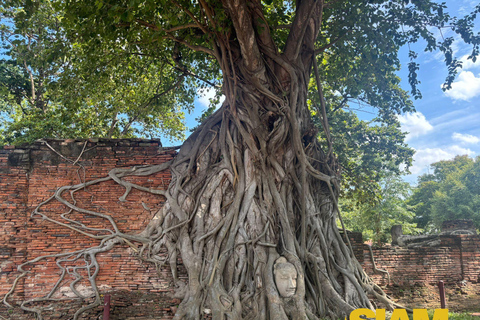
pixel 125 69
pixel 95 69
pixel 55 87
pixel 450 192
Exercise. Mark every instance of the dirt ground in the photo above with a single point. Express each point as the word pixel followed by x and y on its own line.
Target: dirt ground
pixel 460 297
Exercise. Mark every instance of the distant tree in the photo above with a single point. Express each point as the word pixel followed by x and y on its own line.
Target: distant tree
pixel 421 202
pixel 375 220
pixel 31 58
pixel 450 192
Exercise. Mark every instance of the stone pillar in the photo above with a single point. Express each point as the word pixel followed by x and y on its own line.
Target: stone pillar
pixel 396 232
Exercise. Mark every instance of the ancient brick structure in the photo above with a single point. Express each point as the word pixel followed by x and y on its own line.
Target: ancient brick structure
pixel 456 259
pixel 451 225
pixel 31 174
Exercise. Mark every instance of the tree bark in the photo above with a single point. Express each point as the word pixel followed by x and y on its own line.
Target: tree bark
pixel 252 184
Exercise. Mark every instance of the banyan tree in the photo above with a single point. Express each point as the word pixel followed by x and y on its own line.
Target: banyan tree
pixel 255 187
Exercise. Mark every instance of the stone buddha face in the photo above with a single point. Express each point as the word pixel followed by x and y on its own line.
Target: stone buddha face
pixel 285 277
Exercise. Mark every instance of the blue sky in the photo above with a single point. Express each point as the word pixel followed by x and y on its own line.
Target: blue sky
pixel 445 124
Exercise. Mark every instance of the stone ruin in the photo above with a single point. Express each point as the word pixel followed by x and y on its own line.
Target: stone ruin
pixel 449 227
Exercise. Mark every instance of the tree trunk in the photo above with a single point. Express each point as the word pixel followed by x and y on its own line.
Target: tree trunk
pixel 250 185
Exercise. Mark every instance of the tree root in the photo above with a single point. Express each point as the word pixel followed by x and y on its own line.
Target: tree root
pixel 108 238
pixel 374 266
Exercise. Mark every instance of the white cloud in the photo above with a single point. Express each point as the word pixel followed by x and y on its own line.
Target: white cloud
pixel 468 64
pixel 204 96
pixel 467 7
pixel 465 138
pixel 415 124
pixel 463 120
pixel 467 86
pixel 423 158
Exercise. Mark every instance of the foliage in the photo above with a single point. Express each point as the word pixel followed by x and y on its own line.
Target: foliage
pixel 368 152
pixel 358 67
pixel 450 192
pixel 33 60
pixel 375 220
pixel 452 315
pixel 55 87
pixel 459 316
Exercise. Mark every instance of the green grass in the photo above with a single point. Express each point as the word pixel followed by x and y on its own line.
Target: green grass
pixel 461 316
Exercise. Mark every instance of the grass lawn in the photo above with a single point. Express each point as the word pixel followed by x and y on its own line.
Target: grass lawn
pixel 461 316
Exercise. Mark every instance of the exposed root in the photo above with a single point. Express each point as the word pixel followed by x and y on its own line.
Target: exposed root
pixel 374 265
pixel 75 264
pixel 225 228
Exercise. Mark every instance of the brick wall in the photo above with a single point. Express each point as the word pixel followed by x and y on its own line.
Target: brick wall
pixel 31 174
pixel 470 257
pixel 456 259
pixel 451 225
pixel 13 213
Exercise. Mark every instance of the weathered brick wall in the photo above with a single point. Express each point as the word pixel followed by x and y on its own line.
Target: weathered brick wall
pixel 13 208
pixel 415 265
pixel 470 257
pixel 31 174
pixel 451 225
pixel 456 259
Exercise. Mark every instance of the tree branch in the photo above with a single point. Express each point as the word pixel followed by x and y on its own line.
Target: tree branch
pixel 191 73
pixel 282 26
pixel 185 26
pixel 340 105
pixel 300 24
pixel 32 82
pixel 147 103
pixel 326 126
pixel 208 12
pixel 243 25
pixel 147 24
pixel 331 44
pixel 112 126
pixel 191 46
pixel 197 23
pixel 262 27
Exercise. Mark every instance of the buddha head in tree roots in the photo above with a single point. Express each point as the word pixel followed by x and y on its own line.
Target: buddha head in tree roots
pixel 285 277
